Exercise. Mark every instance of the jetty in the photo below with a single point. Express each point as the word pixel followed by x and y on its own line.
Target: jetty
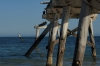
pixel 84 10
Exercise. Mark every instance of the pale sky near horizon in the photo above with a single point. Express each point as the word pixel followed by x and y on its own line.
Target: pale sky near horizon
pixel 20 16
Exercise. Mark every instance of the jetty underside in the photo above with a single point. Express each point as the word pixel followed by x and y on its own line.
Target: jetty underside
pixel 84 10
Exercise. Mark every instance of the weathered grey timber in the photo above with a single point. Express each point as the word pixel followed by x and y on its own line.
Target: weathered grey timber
pixel 55 6
pixel 58 33
pixel 75 35
pixel 37 33
pixel 38 40
pixel 82 34
pixel 52 42
pixel 63 35
pixel 84 12
pixel 60 3
pixel 93 48
pixel 38 30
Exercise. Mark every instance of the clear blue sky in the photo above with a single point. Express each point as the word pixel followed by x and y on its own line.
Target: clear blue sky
pixel 20 16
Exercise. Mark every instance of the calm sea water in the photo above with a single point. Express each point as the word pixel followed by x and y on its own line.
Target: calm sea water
pixel 12 52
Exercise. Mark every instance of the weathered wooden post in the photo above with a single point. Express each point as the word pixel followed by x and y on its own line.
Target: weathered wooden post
pixel 52 42
pixel 38 27
pixel 38 40
pixel 37 33
pixel 20 37
pixel 58 33
pixel 63 34
pixel 92 40
pixel 82 34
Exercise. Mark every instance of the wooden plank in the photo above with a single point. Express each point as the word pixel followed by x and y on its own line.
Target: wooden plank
pixel 82 34
pixel 62 3
pixel 45 2
pixel 75 3
pixel 72 11
pixel 36 27
pixel 52 42
pixel 38 40
pixel 62 40
pixel 93 48
pixel 75 12
pixel 59 10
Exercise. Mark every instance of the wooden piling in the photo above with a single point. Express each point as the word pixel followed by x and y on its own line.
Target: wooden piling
pixel 93 48
pixel 58 33
pixel 38 40
pixel 20 37
pixel 37 33
pixel 82 34
pixel 63 35
pixel 52 42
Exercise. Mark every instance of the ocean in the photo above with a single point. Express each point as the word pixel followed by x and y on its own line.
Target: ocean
pixel 12 51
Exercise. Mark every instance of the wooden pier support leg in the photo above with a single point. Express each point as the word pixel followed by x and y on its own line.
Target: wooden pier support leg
pixel 63 35
pixel 52 42
pixel 82 34
pixel 58 33
pixel 38 40
pixel 92 40
pixel 37 33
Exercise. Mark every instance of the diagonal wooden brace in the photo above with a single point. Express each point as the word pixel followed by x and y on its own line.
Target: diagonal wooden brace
pixel 75 35
pixel 38 40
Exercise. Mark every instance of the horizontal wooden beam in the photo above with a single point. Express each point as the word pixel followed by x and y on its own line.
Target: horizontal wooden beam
pixel 46 2
pixel 59 10
pixel 40 27
pixel 59 3
pixel 74 13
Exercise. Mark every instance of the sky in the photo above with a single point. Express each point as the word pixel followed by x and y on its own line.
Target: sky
pixel 20 16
